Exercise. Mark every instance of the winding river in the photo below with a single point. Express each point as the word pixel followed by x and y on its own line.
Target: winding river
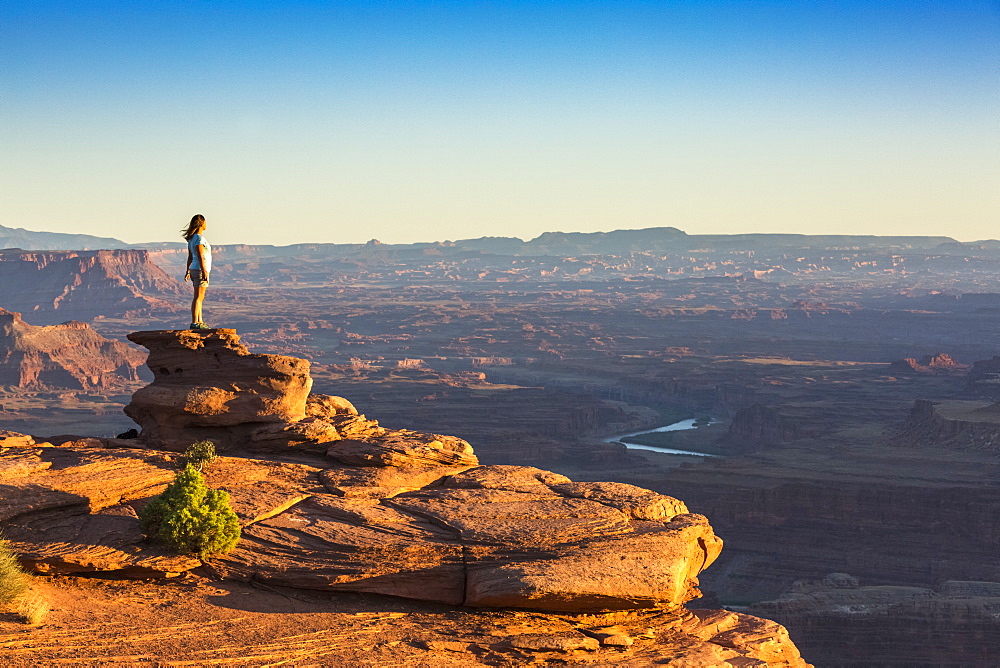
pixel 676 426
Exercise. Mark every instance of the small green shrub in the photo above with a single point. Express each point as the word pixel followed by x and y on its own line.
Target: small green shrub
pixel 14 582
pixel 200 453
pixel 191 518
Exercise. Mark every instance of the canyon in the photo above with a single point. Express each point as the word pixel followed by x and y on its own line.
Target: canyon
pixel 330 501
pixel 852 379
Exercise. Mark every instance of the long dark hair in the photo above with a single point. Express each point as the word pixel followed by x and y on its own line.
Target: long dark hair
pixel 197 220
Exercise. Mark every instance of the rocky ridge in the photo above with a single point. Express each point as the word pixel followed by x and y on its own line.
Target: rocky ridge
pixel 18 238
pixel 331 501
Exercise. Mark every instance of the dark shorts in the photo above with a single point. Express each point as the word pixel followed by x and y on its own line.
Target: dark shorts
pixel 198 280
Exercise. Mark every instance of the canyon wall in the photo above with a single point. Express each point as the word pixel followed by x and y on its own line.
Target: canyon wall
pixel 56 286
pixel 952 424
pixel 896 532
pixel 70 356
pixel 840 621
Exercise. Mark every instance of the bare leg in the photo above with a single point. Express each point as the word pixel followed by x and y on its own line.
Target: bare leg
pixel 199 297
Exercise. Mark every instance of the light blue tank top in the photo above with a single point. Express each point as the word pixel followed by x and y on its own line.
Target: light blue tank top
pixel 199 240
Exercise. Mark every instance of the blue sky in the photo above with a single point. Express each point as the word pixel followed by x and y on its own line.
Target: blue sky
pixel 288 122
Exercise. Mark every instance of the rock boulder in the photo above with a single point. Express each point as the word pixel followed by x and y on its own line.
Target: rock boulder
pixel 207 385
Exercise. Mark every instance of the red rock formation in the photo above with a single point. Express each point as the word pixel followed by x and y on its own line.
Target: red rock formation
pixel 941 363
pixel 488 536
pixel 61 285
pixel 70 355
pixel 411 516
pixel 498 536
pixel 207 384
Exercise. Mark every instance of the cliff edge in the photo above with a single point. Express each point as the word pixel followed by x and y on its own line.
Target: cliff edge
pixel 331 501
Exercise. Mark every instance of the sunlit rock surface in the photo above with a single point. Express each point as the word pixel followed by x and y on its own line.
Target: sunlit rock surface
pixel 56 286
pixel 70 355
pixel 329 500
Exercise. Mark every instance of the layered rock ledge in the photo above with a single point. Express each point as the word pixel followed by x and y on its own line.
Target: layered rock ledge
pixel 330 500
pixel 207 385
pixel 952 424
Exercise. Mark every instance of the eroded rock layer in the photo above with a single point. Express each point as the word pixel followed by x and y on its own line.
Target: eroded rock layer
pixel 70 355
pixel 527 538
pixel 207 385
pixel 331 501
pixel 953 424
pixel 55 286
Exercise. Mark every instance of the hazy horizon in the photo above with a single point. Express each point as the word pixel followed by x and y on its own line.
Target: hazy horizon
pixel 338 122
pixel 429 240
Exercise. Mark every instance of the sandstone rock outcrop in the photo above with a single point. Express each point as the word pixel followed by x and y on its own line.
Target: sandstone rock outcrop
pixel 70 355
pixel 69 509
pixel 211 386
pixel 340 504
pixel 497 536
pixel 207 385
pixel 484 536
pixel 930 364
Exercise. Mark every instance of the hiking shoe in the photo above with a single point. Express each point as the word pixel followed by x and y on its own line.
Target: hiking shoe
pixel 199 325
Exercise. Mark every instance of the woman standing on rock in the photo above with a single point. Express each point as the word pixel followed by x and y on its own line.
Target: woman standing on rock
pixel 199 264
